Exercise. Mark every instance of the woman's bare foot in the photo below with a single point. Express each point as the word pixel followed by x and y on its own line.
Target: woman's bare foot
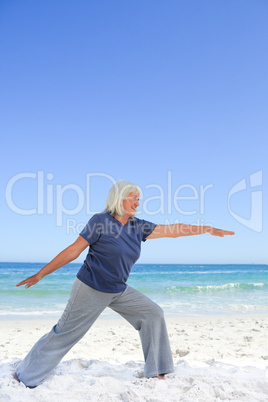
pixel 15 376
pixel 161 377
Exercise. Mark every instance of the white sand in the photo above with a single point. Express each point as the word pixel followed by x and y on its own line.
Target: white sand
pixel 216 358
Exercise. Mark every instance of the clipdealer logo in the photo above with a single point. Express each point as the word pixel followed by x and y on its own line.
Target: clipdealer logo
pixel 186 199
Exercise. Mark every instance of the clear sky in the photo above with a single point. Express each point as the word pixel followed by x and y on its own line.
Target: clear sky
pixel 172 95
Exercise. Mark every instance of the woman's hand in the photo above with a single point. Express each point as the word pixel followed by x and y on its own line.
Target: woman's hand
pixel 219 232
pixel 32 280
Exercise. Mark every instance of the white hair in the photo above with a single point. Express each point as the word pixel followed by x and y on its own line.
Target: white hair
pixel 116 195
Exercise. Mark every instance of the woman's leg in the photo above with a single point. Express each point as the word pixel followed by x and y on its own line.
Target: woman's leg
pixel 84 306
pixel 148 318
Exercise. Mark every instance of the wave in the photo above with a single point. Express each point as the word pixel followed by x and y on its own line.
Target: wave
pixel 216 288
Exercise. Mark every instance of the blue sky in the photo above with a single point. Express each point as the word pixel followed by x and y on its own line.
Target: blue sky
pixel 171 95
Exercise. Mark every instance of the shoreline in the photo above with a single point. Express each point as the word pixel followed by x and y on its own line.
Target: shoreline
pixel 118 317
pixel 114 316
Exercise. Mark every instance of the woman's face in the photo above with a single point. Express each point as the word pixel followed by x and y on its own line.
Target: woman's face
pixel 131 203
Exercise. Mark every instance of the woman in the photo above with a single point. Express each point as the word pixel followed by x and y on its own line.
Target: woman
pixel 114 239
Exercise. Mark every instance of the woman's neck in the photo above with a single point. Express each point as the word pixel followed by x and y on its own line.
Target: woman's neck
pixel 122 219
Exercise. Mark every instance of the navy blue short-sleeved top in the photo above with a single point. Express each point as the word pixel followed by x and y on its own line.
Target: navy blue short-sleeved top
pixel 114 249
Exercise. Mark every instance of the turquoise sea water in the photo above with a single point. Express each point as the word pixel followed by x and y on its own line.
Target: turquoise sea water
pixel 178 289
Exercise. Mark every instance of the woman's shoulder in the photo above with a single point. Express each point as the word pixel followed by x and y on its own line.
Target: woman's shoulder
pixel 99 217
pixel 102 215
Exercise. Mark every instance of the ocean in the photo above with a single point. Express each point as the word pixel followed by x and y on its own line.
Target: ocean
pixel 181 290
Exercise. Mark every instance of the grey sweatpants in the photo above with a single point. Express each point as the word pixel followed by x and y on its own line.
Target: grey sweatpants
pixel 83 308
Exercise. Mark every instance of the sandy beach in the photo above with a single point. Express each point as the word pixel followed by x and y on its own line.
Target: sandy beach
pixel 216 358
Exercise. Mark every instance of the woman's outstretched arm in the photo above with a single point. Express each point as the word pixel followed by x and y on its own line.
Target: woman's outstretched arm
pixel 181 229
pixel 64 257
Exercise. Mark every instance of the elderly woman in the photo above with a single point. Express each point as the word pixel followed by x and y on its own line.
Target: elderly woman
pixel 114 239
